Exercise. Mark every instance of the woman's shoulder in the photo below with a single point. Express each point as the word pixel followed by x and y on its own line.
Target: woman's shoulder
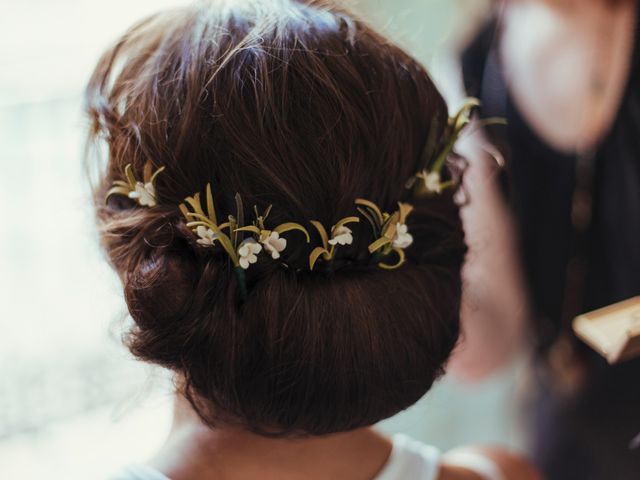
pixel 415 460
pixel 409 459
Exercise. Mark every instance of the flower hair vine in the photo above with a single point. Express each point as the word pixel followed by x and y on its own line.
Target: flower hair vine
pixel 340 235
pixel 230 235
pixel 143 192
pixel 390 230
pixel 244 243
pixel 271 240
pixel 428 180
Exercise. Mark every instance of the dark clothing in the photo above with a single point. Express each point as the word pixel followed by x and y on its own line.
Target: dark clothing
pixel 571 266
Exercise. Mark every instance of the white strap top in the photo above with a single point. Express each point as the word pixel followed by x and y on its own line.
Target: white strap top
pixel 140 472
pixel 409 459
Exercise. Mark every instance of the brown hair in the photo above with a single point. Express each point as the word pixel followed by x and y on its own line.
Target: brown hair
pixel 299 105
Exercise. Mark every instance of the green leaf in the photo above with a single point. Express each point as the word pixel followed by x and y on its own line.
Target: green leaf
pixel 448 184
pixel 404 210
pixel 345 221
pixel 289 226
pixel 199 216
pixel 378 244
pixel 401 259
pixel 323 233
pixel 211 211
pixel 128 172
pixel 391 220
pixel 458 122
pixel 442 157
pixel 197 223
pixel 486 122
pixel 371 206
pixel 233 225
pixel 249 228
pixel 463 116
pixel 315 254
pixel 225 241
pixel 375 228
pixel 242 282
pixel 194 203
pixel 411 182
pixel 155 174
pixel 117 190
pixel 185 211
pixel 239 235
pixel 267 212
pixel 146 171
pixel 239 210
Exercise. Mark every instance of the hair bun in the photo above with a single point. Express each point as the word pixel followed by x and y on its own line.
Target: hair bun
pixel 159 289
pixel 298 105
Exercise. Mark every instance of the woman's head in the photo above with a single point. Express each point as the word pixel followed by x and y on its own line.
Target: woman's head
pixel 299 105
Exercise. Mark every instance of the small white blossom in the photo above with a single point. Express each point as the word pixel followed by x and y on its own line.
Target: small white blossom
pixel 432 182
pixel 248 251
pixel 342 236
pixel 273 244
pixel 402 238
pixel 145 194
pixel 207 236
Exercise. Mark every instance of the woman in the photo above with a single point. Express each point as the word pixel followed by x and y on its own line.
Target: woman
pixel 566 76
pixel 253 148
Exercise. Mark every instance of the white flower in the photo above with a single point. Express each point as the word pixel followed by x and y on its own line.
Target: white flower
pixel 273 244
pixel 402 238
pixel 432 182
pixel 248 251
pixel 207 236
pixel 341 236
pixel 145 194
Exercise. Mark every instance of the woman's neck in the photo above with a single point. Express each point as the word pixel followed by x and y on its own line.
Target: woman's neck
pixel 545 48
pixel 194 450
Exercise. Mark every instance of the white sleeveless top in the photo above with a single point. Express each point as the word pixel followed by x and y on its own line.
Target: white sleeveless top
pixel 409 459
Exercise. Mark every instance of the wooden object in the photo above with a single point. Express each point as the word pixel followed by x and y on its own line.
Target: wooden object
pixel 612 331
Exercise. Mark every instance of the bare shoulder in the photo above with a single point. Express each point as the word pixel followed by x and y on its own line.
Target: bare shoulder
pixel 471 463
pixel 452 472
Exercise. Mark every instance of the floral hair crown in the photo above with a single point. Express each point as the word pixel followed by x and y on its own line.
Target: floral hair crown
pixel 243 242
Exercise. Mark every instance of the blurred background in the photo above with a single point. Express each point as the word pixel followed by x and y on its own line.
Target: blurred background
pixel 72 400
